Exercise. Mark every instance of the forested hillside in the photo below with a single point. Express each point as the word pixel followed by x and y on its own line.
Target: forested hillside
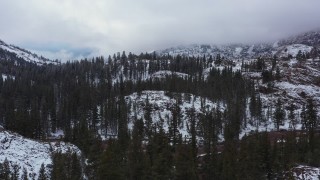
pixel 169 115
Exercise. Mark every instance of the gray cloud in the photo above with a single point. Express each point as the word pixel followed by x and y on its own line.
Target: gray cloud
pixel 105 27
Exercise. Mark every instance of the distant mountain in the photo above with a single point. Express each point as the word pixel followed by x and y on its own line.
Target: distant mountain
pixel 304 42
pixel 228 51
pixel 8 51
pixel 311 38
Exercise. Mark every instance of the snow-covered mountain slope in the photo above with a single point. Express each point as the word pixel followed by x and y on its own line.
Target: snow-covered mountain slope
pixel 25 54
pixel 304 42
pixel 299 82
pixel 293 50
pixel 162 105
pixel 30 154
pixel 233 51
pixel 311 38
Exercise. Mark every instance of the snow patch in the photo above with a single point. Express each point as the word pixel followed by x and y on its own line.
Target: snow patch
pixel 164 74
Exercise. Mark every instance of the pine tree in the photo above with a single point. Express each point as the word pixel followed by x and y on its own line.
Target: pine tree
pixel 137 160
pixel 111 163
pixel 75 167
pixel 175 121
pixel 274 62
pixel 24 174
pixel 184 163
pixel 5 170
pixel 279 114
pixel 42 173
pixel 162 156
pixel 311 122
pixel 292 116
pixel 58 167
pixel 15 172
pixel 278 75
pixel 148 118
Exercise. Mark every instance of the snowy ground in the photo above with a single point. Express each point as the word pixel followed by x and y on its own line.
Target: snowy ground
pixel 293 50
pixel 302 172
pixel 30 154
pixel 162 105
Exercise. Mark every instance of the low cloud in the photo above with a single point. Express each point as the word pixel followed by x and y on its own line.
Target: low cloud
pixel 106 27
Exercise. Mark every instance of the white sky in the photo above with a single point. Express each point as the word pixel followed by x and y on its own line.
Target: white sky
pixel 67 29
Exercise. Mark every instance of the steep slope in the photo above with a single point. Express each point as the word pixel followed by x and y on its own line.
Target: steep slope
pixel 162 106
pixel 9 50
pixel 299 81
pixel 30 154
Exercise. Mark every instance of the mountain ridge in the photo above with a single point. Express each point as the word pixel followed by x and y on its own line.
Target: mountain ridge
pixel 25 54
pixel 243 50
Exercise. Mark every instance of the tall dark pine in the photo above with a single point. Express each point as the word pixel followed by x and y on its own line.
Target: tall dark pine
pixel 5 170
pixel 148 118
pixel 279 114
pixel 292 116
pixel 311 122
pixel 42 173
pixel 173 129
pixel 137 158
pixel 24 174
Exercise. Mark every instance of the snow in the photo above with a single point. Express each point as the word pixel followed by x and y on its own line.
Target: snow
pixel 276 44
pixel 237 51
pixel 231 52
pixel 250 50
pixel 28 153
pixel 164 74
pixel 294 90
pixel 303 172
pixel 161 104
pixel 5 77
pixel 161 107
pixel 58 134
pixel 294 49
pixel 26 55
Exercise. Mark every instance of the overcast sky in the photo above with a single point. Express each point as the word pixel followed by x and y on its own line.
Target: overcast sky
pixel 67 29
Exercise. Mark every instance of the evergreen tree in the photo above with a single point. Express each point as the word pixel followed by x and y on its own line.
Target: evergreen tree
pixel 15 172
pixel 24 174
pixel 279 114
pixel 76 170
pixel 111 165
pixel 148 118
pixel 174 123
pixel 162 157
pixel 292 116
pixel 278 75
pixel 184 163
pixel 137 159
pixel 311 122
pixel 42 173
pixel 5 170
